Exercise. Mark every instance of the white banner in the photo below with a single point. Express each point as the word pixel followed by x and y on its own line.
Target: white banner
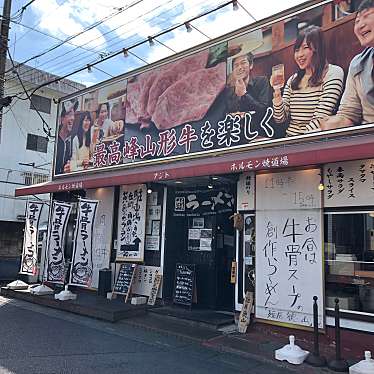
pixel 55 260
pixel 289 247
pixel 131 222
pixel 30 239
pixel 102 232
pixel 82 265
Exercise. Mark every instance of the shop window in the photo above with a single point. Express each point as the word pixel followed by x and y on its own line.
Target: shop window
pixel 349 258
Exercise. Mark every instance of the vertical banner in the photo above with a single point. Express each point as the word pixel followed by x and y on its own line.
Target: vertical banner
pixel 55 260
pixel 30 240
pixel 289 258
pixel 102 231
pixel 82 264
pixel 131 223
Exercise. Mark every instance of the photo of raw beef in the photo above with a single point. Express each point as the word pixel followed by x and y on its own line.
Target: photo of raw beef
pixel 190 97
pixel 172 74
pixel 137 97
pixel 153 97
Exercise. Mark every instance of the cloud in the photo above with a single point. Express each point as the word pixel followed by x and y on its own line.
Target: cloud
pixel 141 20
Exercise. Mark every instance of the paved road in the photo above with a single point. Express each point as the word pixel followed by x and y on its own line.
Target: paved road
pixel 39 340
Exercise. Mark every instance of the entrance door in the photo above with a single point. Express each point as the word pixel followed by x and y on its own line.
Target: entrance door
pixel 208 242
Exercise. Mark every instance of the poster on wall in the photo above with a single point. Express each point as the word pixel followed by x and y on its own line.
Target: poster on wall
pixel 82 265
pixel 55 259
pixel 102 233
pixel 29 259
pixel 289 248
pixel 246 191
pixel 200 239
pixel 131 222
pixel 237 92
pixel 349 183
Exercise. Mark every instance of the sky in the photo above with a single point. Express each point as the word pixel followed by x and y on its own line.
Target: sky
pixel 116 24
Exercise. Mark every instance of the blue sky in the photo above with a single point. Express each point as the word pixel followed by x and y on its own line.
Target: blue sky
pixel 56 20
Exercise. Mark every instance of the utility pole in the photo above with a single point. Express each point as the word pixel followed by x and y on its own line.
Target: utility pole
pixel 4 34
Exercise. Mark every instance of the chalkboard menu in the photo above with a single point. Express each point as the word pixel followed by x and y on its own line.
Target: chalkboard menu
pixel 184 284
pixel 124 279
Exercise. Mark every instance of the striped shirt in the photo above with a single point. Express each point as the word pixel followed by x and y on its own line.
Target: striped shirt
pixel 305 107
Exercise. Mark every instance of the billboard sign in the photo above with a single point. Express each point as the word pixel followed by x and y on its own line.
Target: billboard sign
pixel 278 81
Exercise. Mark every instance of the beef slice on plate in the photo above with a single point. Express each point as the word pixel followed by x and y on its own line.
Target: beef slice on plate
pixel 189 98
pixel 172 73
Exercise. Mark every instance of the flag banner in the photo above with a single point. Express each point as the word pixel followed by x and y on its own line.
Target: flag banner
pixel 55 260
pixel 82 264
pixel 30 240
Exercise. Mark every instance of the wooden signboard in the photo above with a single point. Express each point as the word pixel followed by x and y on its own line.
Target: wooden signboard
pixel 245 314
pixel 124 280
pixel 154 291
pixel 184 287
pixel 234 266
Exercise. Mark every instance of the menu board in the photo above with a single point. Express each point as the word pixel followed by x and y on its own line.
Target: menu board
pixel 289 247
pixel 124 279
pixel 184 284
pixel 349 183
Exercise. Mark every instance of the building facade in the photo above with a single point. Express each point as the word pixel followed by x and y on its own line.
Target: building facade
pixel 175 149
pixel 26 154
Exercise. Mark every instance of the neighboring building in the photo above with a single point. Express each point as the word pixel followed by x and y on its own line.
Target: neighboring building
pixel 26 155
pixel 199 136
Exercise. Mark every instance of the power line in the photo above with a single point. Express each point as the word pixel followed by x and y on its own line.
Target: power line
pixel 22 10
pixel 24 135
pixel 114 54
pixel 63 55
pixel 121 41
pixel 46 128
pixel 80 33
pixel 36 24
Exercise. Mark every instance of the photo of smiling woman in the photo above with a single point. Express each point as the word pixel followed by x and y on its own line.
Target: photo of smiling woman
pixel 312 93
pixel 82 143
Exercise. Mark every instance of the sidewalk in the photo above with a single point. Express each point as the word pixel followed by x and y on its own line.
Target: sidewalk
pixel 260 342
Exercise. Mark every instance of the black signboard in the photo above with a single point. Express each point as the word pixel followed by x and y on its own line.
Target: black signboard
pixel 124 279
pixel 184 284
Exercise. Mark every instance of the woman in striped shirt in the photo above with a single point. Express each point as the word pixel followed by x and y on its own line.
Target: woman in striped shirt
pixel 312 93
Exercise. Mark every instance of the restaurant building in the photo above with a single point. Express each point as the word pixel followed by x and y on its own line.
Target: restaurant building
pixel 174 150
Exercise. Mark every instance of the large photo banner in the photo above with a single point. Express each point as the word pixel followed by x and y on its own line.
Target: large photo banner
pixel 55 258
pixel 29 259
pixel 299 76
pixel 131 223
pixel 81 272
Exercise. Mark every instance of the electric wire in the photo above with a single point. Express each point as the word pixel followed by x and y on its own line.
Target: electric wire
pixel 79 55
pixel 114 54
pixel 71 37
pixel 25 135
pixel 46 128
pixel 34 25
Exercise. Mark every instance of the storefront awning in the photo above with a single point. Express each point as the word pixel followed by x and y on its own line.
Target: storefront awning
pixel 286 155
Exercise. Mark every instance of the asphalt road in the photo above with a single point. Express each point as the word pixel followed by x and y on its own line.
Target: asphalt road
pixel 39 340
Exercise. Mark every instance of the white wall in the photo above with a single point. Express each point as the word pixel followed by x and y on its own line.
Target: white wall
pixel 18 121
